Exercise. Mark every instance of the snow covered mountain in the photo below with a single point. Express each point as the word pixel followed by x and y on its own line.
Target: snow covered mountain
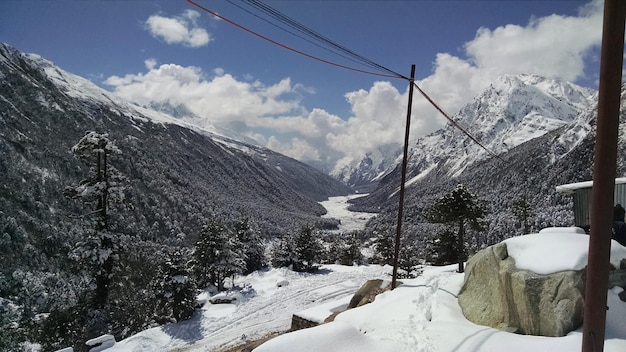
pixel 512 110
pixel 44 111
pixel 362 173
pixel 543 131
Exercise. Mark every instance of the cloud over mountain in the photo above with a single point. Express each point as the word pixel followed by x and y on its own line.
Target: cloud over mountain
pixel 275 115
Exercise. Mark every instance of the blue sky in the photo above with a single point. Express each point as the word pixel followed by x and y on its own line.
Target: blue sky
pixel 173 51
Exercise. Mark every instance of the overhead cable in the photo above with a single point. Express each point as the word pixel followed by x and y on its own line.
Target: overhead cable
pixel 288 47
pixel 313 34
pixel 454 123
pixel 272 12
pixel 291 32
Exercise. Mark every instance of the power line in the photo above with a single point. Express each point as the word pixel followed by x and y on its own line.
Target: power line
pixel 290 32
pixel 288 47
pixel 454 123
pixel 272 12
pixel 311 33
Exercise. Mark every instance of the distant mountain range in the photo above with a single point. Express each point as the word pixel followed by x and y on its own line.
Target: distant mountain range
pixel 45 110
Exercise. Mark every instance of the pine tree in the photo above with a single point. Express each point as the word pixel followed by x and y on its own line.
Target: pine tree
pixel 283 253
pixel 351 251
pixel 175 290
pixel 523 210
pixel 384 247
pixel 215 255
pixel 308 250
pixel 252 248
pixel 99 249
pixel 445 247
pixel 408 262
pixel 459 207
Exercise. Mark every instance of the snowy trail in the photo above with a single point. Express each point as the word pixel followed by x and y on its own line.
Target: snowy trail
pixel 272 311
pixel 270 308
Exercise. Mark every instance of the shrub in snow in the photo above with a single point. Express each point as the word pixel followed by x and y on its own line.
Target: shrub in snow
pixel 251 245
pixel 384 247
pixel 346 251
pixel 283 253
pixel 409 262
pixel 444 248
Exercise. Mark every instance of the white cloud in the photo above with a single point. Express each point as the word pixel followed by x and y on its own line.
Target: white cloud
pixel 150 63
pixel 296 148
pixel 555 46
pixel 221 99
pixel 181 29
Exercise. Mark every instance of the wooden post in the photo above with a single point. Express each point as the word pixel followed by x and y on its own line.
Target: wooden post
pixel 604 168
pixel 396 251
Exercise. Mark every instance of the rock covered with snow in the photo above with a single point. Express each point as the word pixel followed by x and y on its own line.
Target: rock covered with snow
pixel 101 343
pixel 498 294
pixel 368 292
pixel 282 282
pixel 508 286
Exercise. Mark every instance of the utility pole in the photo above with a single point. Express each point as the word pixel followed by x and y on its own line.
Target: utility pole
pixel 396 251
pixel 604 168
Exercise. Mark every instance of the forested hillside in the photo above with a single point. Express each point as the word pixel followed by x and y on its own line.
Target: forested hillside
pixel 172 180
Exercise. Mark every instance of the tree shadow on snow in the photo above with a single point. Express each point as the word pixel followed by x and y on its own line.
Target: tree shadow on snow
pixel 322 271
pixel 189 330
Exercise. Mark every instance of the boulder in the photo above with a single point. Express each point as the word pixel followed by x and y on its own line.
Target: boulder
pixel 495 293
pixel 368 292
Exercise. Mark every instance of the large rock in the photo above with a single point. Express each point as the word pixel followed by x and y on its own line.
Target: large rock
pixel 368 292
pixel 497 294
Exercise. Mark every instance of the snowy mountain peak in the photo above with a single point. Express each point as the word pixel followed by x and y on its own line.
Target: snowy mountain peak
pixel 512 110
pixel 361 171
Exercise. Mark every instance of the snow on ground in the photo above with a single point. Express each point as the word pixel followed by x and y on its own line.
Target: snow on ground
pixel 263 307
pixel 566 247
pixel 337 207
pixel 423 315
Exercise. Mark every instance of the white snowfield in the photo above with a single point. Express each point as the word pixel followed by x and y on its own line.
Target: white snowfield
pixel 423 315
pixel 265 309
pixel 337 207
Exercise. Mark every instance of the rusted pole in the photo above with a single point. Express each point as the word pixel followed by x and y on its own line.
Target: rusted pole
pixel 396 250
pixel 604 168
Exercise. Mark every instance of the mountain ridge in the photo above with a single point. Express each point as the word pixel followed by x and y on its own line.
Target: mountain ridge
pixel 43 106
